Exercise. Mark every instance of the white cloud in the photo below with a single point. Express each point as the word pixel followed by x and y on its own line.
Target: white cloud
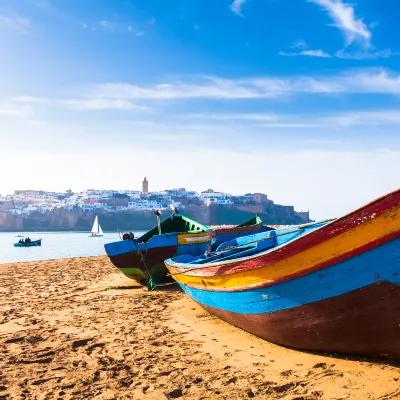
pixel 358 55
pixel 106 25
pixel 381 82
pixel 315 53
pixel 235 117
pixel 365 55
pixel 44 4
pixel 344 18
pixel 16 23
pixel 219 88
pixel 299 44
pixel 290 125
pixel 236 7
pixel 380 118
pixel 9 109
pixel 211 87
pixel 386 118
pixel 87 104
pixel 78 104
pixel 117 27
pixel 32 100
pixel 127 96
pixel 309 53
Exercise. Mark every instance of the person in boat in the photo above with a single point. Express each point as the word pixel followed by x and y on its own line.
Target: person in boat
pixel 175 215
pixel 28 240
pixel 21 241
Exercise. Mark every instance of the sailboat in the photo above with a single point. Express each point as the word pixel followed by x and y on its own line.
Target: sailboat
pixel 96 229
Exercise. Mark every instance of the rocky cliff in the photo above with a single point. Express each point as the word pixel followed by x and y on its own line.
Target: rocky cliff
pixel 61 220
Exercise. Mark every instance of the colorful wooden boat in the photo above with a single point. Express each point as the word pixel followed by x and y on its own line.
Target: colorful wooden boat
pixel 142 259
pixel 332 289
pixel 30 244
pixel 252 226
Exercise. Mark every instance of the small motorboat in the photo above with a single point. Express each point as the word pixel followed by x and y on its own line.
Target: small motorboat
pixel 32 243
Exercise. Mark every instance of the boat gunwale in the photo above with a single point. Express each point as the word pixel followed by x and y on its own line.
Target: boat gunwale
pixel 213 266
pixel 237 229
pixel 177 269
pixel 205 228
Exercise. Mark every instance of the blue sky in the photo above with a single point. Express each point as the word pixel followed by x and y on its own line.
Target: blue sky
pixel 295 98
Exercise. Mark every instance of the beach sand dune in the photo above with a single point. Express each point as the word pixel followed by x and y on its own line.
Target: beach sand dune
pixel 76 328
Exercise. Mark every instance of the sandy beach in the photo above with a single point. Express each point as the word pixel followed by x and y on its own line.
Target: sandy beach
pixel 76 328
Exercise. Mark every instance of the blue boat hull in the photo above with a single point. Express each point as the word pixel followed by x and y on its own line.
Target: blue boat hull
pixel 349 308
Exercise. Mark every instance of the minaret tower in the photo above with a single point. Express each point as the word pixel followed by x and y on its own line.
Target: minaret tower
pixel 145 186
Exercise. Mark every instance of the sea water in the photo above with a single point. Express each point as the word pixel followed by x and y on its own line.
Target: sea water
pixel 54 245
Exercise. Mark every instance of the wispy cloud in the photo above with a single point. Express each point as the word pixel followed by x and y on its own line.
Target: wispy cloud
pixel 364 81
pixel 87 104
pixel 365 55
pixel 44 4
pixel 299 44
pixel 32 100
pixel 237 5
pixel 371 117
pixel 106 25
pixel 235 117
pixel 344 18
pixel 117 27
pixel 78 104
pixel 11 109
pixel 304 51
pixel 15 23
pixel 309 53
pixel 290 125
pixel 127 96
pixel 386 117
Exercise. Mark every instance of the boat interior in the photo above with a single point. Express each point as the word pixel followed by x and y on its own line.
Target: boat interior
pixel 250 245
pixel 176 223
pixel 252 221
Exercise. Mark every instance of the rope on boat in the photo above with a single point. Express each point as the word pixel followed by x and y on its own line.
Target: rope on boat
pixel 255 241
pixel 166 284
pixel 150 282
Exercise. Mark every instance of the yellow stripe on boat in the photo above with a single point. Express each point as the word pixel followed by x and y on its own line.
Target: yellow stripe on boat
pixel 352 239
pixel 193 238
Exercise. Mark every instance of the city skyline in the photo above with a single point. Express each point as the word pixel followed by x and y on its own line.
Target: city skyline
pixel 243 96
pixel 36 208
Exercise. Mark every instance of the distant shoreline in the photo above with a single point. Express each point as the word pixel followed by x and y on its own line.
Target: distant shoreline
pixel 213 227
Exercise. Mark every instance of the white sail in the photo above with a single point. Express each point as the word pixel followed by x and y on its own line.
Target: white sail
pixel 95 228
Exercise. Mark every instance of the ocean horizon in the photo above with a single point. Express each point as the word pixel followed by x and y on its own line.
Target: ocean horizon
pixel 55 245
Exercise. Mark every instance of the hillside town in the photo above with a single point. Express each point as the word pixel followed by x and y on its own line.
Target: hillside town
pixel 25 204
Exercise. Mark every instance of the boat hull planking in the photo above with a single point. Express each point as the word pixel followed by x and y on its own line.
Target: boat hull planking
pixel 336 289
